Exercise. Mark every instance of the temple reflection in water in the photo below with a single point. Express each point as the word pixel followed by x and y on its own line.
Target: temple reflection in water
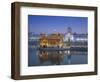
pixel 55 57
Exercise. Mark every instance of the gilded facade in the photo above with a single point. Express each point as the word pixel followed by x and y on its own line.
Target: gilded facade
pixel 43 41
pixel 52 40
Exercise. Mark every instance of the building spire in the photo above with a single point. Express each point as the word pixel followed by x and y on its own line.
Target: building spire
pixel 69 30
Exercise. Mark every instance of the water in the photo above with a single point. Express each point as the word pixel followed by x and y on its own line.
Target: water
pixel 46 58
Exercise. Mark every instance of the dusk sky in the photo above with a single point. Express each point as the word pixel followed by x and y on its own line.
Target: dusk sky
pixel 50 24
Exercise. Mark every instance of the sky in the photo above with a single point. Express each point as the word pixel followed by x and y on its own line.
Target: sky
pixel 50 24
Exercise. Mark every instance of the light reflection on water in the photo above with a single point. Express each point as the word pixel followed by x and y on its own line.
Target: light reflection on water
pixel 45 58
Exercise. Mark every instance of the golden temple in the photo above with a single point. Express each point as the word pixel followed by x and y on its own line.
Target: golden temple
pixel 52 40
